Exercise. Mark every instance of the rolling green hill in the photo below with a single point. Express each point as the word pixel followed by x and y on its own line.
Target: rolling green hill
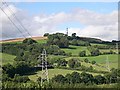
pixel 6 58
pixel 101 59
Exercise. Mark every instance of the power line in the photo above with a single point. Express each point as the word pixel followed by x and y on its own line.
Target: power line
pixel 17 19
pixel 12 22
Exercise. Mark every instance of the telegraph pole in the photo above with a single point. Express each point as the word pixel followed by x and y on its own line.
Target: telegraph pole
pixel 44 74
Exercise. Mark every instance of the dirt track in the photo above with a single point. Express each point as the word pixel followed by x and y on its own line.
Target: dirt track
pixel 21 39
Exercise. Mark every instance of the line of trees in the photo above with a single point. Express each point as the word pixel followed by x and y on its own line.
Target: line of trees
pixel 73 80
pixel 87 78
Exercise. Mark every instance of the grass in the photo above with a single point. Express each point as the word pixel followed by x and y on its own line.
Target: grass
pixel 98 68
pixel 76 49
pixel 53 72
pixel 101 59
pixel 17 42
pixel 41 41
pixel 93 44
pixel 6 58
pixel 107 50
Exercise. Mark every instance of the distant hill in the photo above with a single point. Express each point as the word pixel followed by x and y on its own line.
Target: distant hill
pixel 99 41
pixel 21 39
pixel 91 40
pixel 88 39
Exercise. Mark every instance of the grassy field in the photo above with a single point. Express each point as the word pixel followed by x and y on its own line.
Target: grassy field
pixel 101 59
pixel 76 49
pixel 53 72
pixel 93 44
pixel 41 41
pixel 6 58
pixel 107 50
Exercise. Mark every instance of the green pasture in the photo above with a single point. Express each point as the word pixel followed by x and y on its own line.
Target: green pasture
pixel 6 58
pixel 41 41
pixel 93 44
pixel 76 49
pixel 101 59
pixel 107 50
pixel 112 58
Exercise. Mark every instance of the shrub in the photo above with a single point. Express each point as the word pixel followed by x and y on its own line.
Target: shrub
pixel 74 63
pixel 82 54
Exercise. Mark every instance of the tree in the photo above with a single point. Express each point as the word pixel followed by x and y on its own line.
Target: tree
pixel 22 67
pixel 93 51
pixel 62 62
pixel 69 78
pixel 75 77
pixel 46 34
pixel 29 41
pixel 86 60
pixel 99 79
pixel 73 35
pixel 5 77
pixel 59 39
pixel 59 78
pixel 39 79
pixel 8 69
pixel 82 54
pixel 74 42
pixel 93 62
pixel 74 63
pixel 87 78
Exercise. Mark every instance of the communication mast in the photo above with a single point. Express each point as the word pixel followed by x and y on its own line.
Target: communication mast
pixel 67 31
pixel 44 74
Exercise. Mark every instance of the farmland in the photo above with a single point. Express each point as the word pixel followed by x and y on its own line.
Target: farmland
pixel 7 58
pixel 76 49
pixel 63 61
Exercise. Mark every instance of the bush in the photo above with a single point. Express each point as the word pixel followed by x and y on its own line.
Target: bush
pixel 99 79
pixel 86 60
pixel 59 78
pixel 82 54
pixel 46 34
pixel 93 62
pixel 74 63
pixel 29 41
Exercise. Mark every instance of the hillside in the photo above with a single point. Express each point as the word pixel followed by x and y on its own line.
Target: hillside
pixel 21 39
pixel 6 58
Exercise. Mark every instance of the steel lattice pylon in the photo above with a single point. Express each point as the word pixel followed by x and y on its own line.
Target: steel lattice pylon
pixel 44 74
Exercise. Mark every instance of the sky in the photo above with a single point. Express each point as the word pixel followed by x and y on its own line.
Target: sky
pixel 86 19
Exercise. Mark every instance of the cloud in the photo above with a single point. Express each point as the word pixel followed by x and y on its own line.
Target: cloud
pixel 108 32
pixel 103 26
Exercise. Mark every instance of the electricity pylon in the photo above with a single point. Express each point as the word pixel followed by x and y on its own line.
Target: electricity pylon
pixel 44 74
pixel 117 51
pixel 107 64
